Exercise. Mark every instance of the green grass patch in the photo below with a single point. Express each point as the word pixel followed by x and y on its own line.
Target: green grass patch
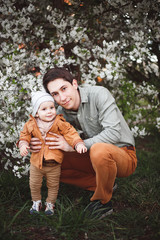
pixel 136 206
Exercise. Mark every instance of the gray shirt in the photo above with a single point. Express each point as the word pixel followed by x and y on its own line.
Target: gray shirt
pixel 98 118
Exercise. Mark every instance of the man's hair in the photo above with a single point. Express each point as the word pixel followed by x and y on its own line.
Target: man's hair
pixel 54 73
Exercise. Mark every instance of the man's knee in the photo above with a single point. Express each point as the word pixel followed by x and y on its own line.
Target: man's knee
pixel 99 149
pixel 100 153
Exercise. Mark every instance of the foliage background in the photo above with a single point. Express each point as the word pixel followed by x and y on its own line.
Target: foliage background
pixel 110 43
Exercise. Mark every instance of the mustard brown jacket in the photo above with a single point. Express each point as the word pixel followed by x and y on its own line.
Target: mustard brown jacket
pixel 60 127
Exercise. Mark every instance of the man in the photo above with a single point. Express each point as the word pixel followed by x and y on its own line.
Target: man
pixel 111 153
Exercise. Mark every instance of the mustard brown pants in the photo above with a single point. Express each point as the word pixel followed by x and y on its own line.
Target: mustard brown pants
pixel 52 175
pixel 97 169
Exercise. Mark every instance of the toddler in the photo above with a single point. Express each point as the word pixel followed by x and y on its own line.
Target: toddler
pixel 47 162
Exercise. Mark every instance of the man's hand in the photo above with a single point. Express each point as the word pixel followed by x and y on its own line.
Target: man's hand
pixel 35 145
pixel 58 142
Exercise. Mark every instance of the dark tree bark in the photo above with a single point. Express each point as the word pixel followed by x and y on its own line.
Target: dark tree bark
pixel 59 4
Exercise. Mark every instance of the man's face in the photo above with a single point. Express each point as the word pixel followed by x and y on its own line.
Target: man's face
pixel 65 93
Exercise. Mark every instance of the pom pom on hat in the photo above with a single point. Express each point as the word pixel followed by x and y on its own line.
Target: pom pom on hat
pixel 38 98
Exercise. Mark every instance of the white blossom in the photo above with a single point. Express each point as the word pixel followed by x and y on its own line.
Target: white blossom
pixel 91 51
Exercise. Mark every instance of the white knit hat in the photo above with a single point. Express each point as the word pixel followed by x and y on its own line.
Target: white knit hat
pixel 38 98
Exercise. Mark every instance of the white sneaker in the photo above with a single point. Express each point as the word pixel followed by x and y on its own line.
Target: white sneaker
pixel 49 208
pixel 36 207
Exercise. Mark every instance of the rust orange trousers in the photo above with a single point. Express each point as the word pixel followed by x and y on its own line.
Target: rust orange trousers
pixel 97 169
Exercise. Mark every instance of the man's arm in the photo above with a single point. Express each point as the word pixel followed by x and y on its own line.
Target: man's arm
pixel 107 118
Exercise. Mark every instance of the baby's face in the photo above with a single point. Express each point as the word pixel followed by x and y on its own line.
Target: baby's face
pixel 46 111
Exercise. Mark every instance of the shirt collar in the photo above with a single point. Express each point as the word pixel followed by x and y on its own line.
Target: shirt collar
pixel 83 94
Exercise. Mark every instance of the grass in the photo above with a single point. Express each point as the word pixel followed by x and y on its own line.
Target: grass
pixel 136 206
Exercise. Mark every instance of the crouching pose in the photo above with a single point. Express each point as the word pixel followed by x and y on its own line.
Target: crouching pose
pixel 111 147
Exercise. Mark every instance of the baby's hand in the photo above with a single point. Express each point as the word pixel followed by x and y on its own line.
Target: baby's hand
pixel 81 148
pixel 24 151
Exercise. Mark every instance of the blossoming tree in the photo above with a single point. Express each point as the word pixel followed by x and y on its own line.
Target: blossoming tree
pixel 109 43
